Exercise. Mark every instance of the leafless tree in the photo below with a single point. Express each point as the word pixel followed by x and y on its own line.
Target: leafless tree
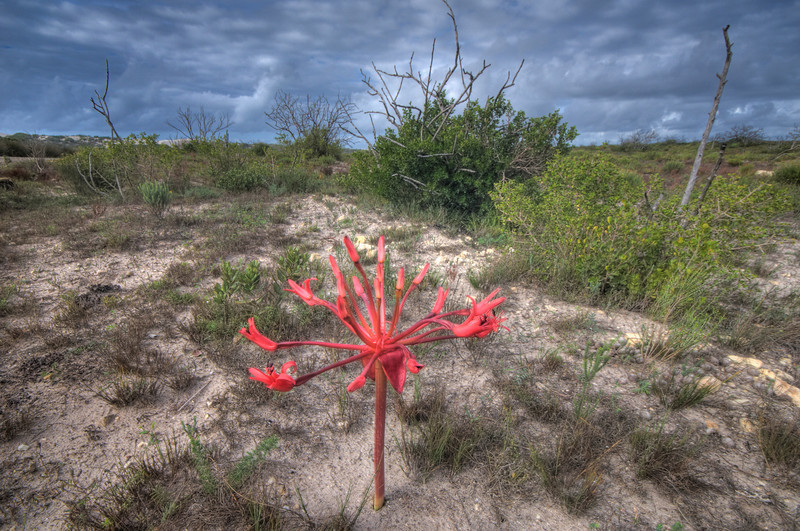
pixel 743 135
pixel 789 143
pixel 296 119
pixel 101 107
pixel 640 139
pixel 37 149
pixel 199 125
pixel 386 89
pixel 687 193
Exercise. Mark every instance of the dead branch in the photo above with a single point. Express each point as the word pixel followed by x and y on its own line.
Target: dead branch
pixel 102 107
pixel 296 119
pixel 687 194
pixel 711 177
pixel 200 125
pixel 388 85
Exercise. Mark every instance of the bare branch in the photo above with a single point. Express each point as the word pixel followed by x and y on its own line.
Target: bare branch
pixel 102 107
pixel 200 125
pixel 687 194
pixel 296 119
pixel 387 90
pixel 711 177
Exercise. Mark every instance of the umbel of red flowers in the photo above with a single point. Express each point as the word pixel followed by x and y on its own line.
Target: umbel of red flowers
pixel 384 350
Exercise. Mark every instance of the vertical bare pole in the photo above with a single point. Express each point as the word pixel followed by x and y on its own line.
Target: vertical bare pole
pixel 687 194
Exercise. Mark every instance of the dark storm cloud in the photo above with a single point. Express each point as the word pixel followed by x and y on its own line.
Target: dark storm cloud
pixel 611 67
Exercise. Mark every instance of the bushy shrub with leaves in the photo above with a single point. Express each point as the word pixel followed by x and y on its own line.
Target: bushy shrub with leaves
pixel 157 196
pixel 788 173
pixel 119 166
pixel 591 230
pixel 453 161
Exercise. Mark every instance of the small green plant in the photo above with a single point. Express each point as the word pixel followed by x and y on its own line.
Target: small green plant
pixel 788 173
pixel 593 362
pixel 14 419
pixel 552 360
pixel 675 392
pixel 245 467
pixel 779 439
pixel 672 166
pixel 7 293
pixel 235 281
pixel 576 489
pixel 293 265
pixel 157 196
pixel 660 455
pixel 438 436
pixel 280 213
pixel 200 454
pixel 125 391
pixel 240 179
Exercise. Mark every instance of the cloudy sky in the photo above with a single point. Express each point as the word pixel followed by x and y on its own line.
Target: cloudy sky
pixel 612 67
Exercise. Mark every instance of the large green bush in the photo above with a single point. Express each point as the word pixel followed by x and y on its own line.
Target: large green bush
pixel 450 161
pixel 590 230
pixel 120 166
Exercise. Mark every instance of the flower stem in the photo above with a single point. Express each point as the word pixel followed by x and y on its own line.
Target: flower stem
pixel 380 429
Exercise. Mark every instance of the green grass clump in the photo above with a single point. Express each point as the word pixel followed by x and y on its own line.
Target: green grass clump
pixel 157 196
pixel 662 456
pixel 788 173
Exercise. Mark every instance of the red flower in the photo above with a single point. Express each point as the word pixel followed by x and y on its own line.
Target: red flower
pixel 277 382
pixel 255 336
pixel 384 353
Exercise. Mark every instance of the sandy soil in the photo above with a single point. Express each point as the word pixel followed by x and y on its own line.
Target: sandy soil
pixel 75 442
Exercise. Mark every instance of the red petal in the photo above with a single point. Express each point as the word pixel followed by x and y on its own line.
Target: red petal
pixel 255 336
pixel 260 376
pixel 395 369
pixel 357 384
pixel 351 249
pixel 421 275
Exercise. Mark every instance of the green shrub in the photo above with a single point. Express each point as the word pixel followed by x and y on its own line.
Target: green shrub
pixel 240 179
pixel 157 196
pixel 591 232
pixel 747 170
pixel 451 161
pixel 672 166
pixel 788 173
pixel 120 166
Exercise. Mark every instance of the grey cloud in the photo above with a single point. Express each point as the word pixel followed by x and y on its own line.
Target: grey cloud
pixel 612 67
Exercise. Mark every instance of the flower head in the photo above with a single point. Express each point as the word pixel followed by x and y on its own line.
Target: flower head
pixel 385 349
pixel 361 307
pixel 276 381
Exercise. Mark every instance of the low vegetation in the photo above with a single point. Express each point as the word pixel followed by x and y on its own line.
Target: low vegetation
pixel 566 407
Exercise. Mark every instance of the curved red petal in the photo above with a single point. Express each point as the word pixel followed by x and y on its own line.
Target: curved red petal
pixel 255 336
pixel 283 383
pixel 351 249
pixel 421 275
pixel 440 299
pixel 413 366
pixel 261 376
pixel 289 365
pixel 394 368
pixel 357 384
